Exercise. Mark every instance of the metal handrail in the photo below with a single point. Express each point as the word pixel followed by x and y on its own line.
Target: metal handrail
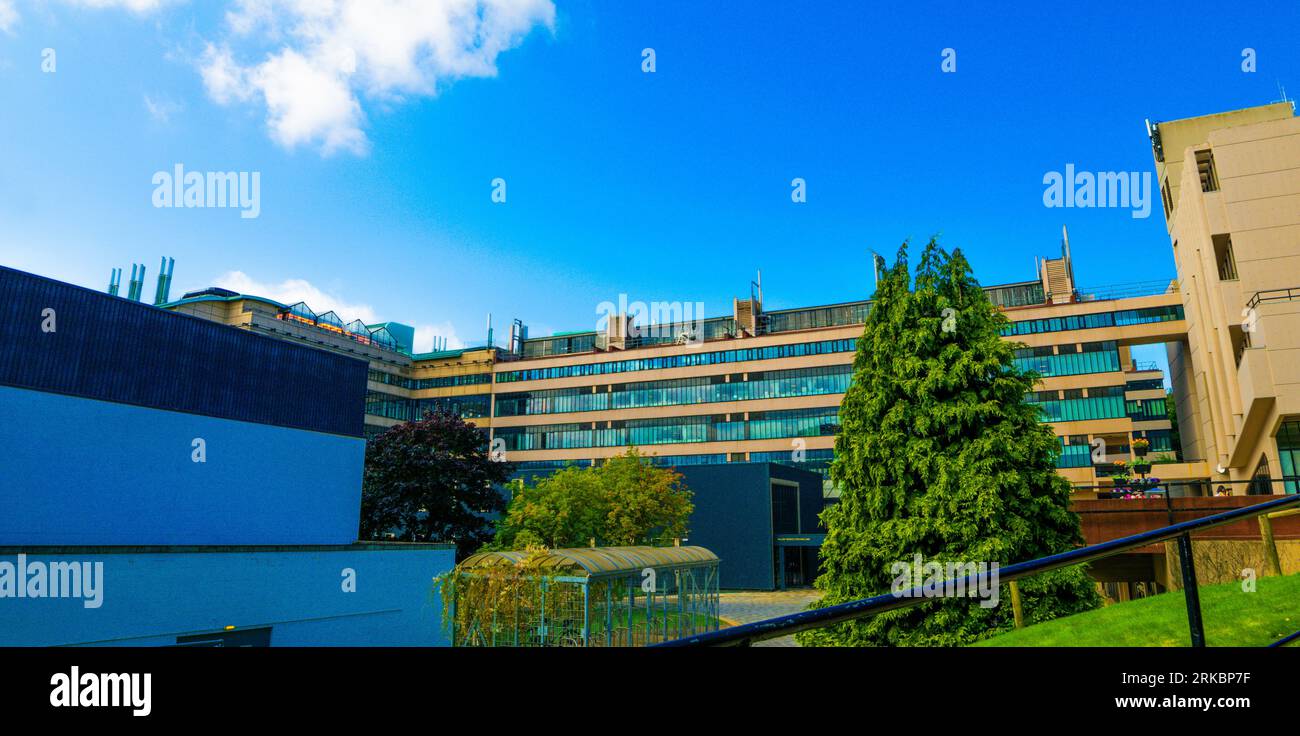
pixel 1277 295
pixel 772 628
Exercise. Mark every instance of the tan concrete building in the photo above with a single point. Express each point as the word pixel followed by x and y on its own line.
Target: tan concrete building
pixel 1230 185
pixel 752 385
pixel 766 385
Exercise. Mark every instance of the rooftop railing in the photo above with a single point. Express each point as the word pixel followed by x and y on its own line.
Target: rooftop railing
pixel 773 628
pixel 1127 291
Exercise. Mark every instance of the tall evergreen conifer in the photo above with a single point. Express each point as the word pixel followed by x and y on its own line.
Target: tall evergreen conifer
pixel 941 455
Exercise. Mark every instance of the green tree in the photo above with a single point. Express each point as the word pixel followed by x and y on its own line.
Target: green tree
pixel 623 502
pixel 940 454
pixel 432 480
pixel 1176 439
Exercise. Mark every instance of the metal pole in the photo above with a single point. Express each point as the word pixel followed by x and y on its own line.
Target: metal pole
pixel 1274 563
pixel 586 612
pixel 1017 608
pixel 1190 592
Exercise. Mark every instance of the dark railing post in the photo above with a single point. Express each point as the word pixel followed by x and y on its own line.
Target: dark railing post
pixel 1190 592
pixel 758 631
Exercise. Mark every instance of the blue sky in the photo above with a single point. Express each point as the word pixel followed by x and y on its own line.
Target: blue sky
pixel 376 149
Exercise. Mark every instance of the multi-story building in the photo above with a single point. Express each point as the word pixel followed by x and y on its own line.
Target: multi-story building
pixel 1230 185
pixel 401 386
pixel 766 385
pixel 755 385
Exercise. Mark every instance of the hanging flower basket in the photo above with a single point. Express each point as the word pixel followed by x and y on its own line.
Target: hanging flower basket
pixel 1141 467
pixel 1141 446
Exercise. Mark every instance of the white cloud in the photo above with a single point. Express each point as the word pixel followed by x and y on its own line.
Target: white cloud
pixel 312 62
pixel 319 57
pixel 138 6
pixel 161 110
pixel 292 291
pixel 8 16
pixel 223 78
pixel 424 335
pixel 309 100
pixel 9 13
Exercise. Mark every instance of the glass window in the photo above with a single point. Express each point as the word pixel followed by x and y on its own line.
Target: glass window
pixel 814 422
pixel 1092 321
pixel 688 360
pixel 1069 360
pixel 1288 447
pixel 816 317
pixel 680 391
pixel 1106 402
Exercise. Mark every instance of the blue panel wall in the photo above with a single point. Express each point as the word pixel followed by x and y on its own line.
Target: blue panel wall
pixel 75 471
pixel 733 519
pixel 113 349
pixel 811 498
pixel 149 599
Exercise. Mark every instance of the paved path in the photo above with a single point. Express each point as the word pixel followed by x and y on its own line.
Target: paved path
pixel 744 608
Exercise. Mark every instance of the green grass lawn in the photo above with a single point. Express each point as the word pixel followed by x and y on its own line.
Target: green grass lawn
pixel 1232 618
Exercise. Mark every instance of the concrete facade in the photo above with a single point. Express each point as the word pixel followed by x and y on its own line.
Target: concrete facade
pixel 1093 392
pixel 1230 186
pixel 1051 298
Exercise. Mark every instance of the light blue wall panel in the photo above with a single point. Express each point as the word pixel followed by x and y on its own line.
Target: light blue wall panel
pixel 149 599
pixel 76 471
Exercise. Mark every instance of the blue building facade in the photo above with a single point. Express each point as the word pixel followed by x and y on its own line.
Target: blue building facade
pixel 169 480
pixel 760 519
pixel 86 472
pixel 340 595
